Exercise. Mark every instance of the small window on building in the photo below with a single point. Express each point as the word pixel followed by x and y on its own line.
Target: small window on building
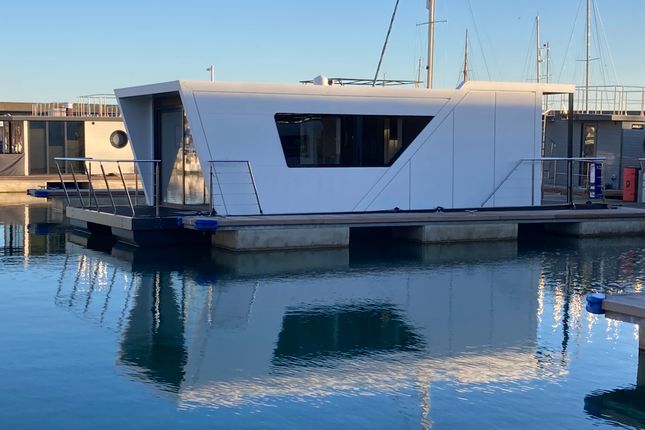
pixel 321 140
pixel 118 139
pixel 589 141
pixel 637 126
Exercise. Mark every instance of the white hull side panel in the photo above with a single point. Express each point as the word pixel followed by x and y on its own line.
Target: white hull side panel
pixel 432 169
pixel 474 152
pixel 513 144
pixel 396 194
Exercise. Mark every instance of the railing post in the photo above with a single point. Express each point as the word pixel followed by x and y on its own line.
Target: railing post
pixel 570 152
pixel 62 182
pixel 136 183
pixel 255 189
pixel 157 189
pixel 210 187
pixel 643 101
pixel 78 189
pixel 91 191
pixel 125 188
pixel 533 183
pixel 107 187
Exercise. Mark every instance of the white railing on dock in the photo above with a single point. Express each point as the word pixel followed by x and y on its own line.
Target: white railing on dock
pixel 560 180
pixel 95 106
pixel 85 197
pixel 602 100
pixel 232 188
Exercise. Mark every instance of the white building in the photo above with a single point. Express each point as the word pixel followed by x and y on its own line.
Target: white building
pixel 317 149
pixel 30 140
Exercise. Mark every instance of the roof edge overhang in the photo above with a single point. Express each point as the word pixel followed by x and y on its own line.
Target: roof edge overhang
pixel 547 89
pixel 149 89
pixel 300 89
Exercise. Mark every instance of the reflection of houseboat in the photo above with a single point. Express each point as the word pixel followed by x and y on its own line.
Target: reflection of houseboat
pixel 235 340
pixel 329 148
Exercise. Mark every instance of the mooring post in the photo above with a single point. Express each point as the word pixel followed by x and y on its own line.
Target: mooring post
pixel 570 151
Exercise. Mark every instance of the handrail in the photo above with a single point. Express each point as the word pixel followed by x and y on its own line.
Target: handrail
pixel 87 163
pixel 213 174
pixel 533 161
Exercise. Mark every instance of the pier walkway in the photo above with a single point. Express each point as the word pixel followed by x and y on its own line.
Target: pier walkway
pixel 266 232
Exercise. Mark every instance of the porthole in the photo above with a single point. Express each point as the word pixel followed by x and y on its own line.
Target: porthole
pixel 119 139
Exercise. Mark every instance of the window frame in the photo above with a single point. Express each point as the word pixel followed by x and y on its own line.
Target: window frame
pixel 357 152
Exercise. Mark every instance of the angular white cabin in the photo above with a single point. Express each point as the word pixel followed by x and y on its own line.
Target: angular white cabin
pixel 276 149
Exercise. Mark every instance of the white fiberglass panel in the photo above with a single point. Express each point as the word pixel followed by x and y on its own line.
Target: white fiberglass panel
pixel 516 138
pixel 296 190
pixel 242 127
pixel 139 123
pixel 396 194
pixel 474 151
pixel 431 172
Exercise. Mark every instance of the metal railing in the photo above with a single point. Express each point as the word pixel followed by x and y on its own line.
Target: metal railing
pixel 85 196
pixel 232 188
pixel 558 177
pixel 95 106
pixel 602 100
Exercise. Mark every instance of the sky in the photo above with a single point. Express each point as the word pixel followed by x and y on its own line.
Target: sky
pixel 56 50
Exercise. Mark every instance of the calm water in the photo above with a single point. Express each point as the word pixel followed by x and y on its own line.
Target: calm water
pixel 477 336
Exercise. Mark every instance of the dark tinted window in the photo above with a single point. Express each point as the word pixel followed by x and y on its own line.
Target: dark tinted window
pixel 37 147
pixel 313 140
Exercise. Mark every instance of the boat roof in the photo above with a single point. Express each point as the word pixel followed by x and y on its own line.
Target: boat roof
pixel 338 90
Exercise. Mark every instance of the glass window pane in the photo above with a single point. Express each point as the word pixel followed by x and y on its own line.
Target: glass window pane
pixel 313 140
pixel 56 143
pixel 4 138
pixel 37 148
pixel 74 144
pixel 17 137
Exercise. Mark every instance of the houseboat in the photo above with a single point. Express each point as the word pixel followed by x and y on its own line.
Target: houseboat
pixel 247 148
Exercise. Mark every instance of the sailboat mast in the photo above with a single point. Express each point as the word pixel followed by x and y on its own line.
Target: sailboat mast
pixel 466 58
pixel 431 11
pixel 548 61
pixel 587 60
pixel 538 49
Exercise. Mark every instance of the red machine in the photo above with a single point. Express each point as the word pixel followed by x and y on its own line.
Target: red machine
pixel 630 184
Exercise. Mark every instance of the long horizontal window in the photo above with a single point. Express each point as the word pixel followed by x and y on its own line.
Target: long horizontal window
pixel 313 140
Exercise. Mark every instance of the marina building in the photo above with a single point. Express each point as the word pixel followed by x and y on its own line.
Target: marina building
pixel 32 135
pixel 610 126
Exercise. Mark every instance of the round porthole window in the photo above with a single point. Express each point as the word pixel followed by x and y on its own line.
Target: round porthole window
pixel 119 139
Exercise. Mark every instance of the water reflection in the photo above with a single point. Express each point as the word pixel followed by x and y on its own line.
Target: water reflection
pixel 253 330
pixel 210 329
pixel 30 228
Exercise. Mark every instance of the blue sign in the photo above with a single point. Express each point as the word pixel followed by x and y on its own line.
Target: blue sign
pixel 595 181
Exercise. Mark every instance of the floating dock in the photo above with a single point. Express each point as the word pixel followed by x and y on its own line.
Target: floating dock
pixel 280 232
pixel 627 308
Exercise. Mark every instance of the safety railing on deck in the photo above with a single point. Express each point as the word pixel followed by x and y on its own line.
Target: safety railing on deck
pixel 602 100
pixel 89 199
pixel 560 180
pixel 232 188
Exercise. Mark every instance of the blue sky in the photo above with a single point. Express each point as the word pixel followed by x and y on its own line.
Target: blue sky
pixel 57 50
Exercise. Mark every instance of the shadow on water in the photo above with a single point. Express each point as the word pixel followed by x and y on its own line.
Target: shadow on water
pixel 623 406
